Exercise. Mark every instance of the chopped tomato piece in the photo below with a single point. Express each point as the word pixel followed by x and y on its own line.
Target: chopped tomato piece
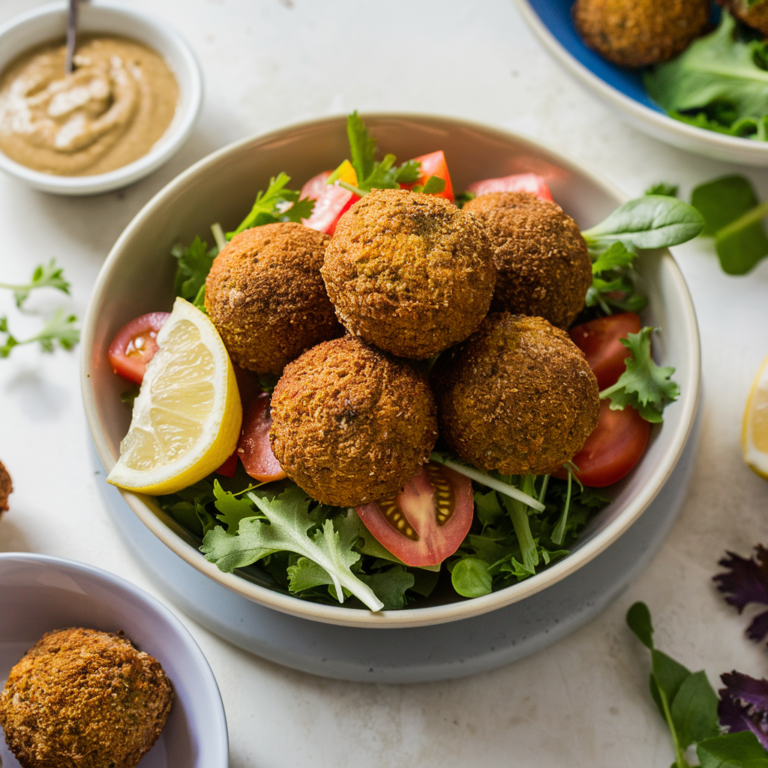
pixel 331 202
pixel 427 520
pixel 599 340
pixel 433 164
pixel 135 345
pixel 229 467
pixel 253 447
pixel 613 449
pixel 518 182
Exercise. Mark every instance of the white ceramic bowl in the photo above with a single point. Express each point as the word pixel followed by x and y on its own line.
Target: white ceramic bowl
pixel 622 89
pixel 49 23
pixel 138 278
pixel 41 593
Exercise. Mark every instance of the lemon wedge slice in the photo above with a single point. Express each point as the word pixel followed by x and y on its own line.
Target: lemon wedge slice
pixel 754 433
pixel 186 418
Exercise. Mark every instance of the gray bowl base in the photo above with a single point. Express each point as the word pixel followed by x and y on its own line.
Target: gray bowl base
pixel 408 655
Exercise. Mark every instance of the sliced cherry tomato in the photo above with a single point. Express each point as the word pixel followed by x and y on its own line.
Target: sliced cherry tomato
pixel 427 520
pixel 518 182
pixel 331 202
pixel 253 447
pixel 433 164
pixel 599 341
pixel 134 345
pixel 611 451
pixel 229 467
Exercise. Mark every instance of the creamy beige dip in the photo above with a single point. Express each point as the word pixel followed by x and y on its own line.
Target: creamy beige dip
pixel 110 111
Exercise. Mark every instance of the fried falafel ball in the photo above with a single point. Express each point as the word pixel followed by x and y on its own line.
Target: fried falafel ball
pixel 266 298
pixel 753 14
pixel 542 262
pixel 6 488
pixel 350 424
pixel 639 33
pixel 84 699
pixel 517 396
pixel 409 273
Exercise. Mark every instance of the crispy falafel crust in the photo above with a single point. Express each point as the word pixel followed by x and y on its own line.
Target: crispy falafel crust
pixel 517 396
pixel 6 488
pixel 409 273
pixel 638 33
pixel 542 262
pixel 755 16
pixel 84 699
pixel 350 424
pixel 266 298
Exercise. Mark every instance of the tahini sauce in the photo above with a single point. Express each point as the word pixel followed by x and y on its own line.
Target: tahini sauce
pixel 110 111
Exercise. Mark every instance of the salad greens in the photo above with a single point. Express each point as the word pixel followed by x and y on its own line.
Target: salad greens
pixel 60 329
pixel 720 82
pixel 733 216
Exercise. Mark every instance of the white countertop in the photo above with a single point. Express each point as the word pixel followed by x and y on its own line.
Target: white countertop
pixel 267 63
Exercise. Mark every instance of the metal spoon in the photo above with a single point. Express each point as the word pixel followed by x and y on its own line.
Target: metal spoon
pixel 69 64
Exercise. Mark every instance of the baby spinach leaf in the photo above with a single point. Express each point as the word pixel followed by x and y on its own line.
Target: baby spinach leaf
pixel 722 201
pixel 663 188
pixel 471 578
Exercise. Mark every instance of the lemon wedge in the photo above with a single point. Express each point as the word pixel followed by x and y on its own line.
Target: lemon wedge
pixel 754 433
pixel 186 418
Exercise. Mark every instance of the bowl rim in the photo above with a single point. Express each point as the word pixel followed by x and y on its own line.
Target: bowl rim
pixel 640 112
pixel 190 103
pixel 406 617
pixel 216 725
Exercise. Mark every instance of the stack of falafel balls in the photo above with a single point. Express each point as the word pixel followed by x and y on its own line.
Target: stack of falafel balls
pixel 407 276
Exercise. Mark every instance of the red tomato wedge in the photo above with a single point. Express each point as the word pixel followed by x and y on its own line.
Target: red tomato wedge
pixel 611 451
pixel 599 341
pixel 253 447
pixel 518 182
pixel 229 467
pixel 135 345
pixel 433 164
pixel 427 520
pixel 331 202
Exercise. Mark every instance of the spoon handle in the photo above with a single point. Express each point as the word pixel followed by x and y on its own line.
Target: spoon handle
pixel 69 64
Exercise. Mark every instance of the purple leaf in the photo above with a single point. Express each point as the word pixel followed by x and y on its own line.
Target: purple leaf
pixel 747 582
pixel 744 705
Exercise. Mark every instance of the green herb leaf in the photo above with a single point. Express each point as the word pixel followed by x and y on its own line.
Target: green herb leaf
pixel 615 257
pixel 390 586
pixel 694 710
pixel 44 276
pixel 409 172
pixel 194 264
pixel 663 188
pixel 722 201
pixel 715 71
pixel 471 578
pixel 362 147
pixel 639 621
pixel 644 385
pixel 732 750
pixel 232 508
pixel 60 329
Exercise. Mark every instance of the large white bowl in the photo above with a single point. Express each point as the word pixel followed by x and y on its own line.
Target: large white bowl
pixel 40 594
pixel 49 23
pixel 622 89
pixel 138 278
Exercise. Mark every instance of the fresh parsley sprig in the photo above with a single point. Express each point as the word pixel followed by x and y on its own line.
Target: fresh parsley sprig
pixel 60 329
pixel 644 385
pixel 45 276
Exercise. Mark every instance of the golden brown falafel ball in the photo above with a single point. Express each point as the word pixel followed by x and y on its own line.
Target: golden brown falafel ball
pixel 409 273
pixel 638 33
pixel 6 488
pixel 350 424
pixel 754 15
pixel 266 298
pixel 542 262
pixel 516 396
pixel 84 699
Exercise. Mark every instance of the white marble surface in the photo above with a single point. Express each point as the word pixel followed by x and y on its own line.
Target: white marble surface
pixel 268 63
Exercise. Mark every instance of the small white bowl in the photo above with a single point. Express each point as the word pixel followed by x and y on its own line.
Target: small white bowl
pixel 49 23
pixel 41 593
pixel 138 277
pixel 622 90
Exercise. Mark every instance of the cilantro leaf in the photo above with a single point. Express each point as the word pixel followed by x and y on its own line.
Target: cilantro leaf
pixel 362 147
pixel 290 528
pixel 745 582
pixel 60 329
pixel 744 705
pixel 44 276
pixel 409 172
pixel 277 203
pixel 643 385
pixel 194 264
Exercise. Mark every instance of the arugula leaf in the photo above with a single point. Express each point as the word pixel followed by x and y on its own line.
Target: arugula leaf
pixel 643 385
pixel 663 188
pixel 194 264
pixel 60 329
pixel 276 204
pixel 291 528
pixel 716 70
pixel 734 217
pixel 745 582
pixel 44 276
